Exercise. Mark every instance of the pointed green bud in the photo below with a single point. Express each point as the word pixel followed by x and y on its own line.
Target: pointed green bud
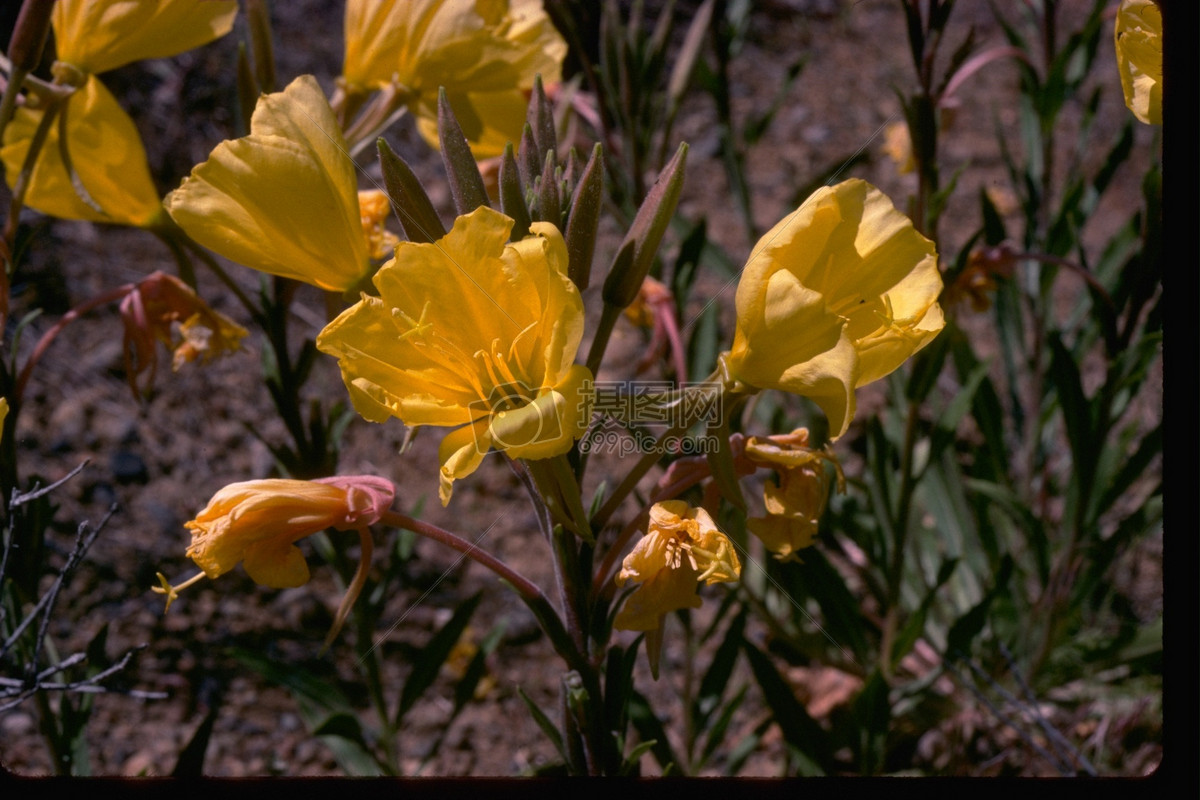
pixel 466 184
pixel 637 251
pixel 528 160
pixel 418 218
pixel 549 208
pixel 512 195
pixel 583 219
pixel 29 35
pixel 247 89
pixel 262 45
pixel 541 119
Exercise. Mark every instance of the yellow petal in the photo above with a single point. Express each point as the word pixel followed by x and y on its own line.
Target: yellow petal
pixel 1137 36
pixel 489 120
pixel 283 200
pixel 474 333
pixel 106 153
pixel 460 454
pixel 836 295
pixel 485 53
pixel 99 35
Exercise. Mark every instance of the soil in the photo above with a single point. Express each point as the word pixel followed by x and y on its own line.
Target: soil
pixel 160 460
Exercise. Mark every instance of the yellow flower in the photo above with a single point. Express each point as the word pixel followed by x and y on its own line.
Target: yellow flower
pixel 475 334
pixel 484 52
pixel 681 548
pixel 1138 39
pixel 898 146
pixel 838 294
pixel 258 523
pixel 106 154
pixel 98 35
pixel 283 200
pixel 373 209
pixel 795 505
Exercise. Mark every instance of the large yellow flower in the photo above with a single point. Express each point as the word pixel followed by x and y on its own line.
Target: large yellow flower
pixel 106 154
pixel 283 200
pixel 98 35
pixel 475 334
pixel 1138 38
pixel 681 548
pixel 258 523
pixel 484 52
pixel 838 294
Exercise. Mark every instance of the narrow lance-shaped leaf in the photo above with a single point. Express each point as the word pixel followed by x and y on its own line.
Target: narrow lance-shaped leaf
pixel 512 195
pixel 637 252
pixel 685 62
pixel 433 655
pixel 418 218
pixel 583 219
pixel 466 184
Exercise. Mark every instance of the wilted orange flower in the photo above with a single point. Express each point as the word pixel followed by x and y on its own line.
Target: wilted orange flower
pixel 681 548
pixel 794 505
pixel 165 309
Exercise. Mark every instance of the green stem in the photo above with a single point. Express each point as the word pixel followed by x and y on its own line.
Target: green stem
pixel 900 545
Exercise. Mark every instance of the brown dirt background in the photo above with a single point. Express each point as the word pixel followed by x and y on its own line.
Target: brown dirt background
pixel 160 461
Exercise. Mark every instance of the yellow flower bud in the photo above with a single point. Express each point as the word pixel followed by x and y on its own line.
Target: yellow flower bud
pixel 794 505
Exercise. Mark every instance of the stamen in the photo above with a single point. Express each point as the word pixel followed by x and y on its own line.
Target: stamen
pixel 170 591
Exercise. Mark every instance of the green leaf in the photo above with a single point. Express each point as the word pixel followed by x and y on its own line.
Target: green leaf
pixel 543 722
pixel 968 626
pixel 720 669
pixel 872 712
pixel 799 729
pixel 190 763
pixel 650 729
pixel 433 655
pixel 914 626
pixel 414 209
